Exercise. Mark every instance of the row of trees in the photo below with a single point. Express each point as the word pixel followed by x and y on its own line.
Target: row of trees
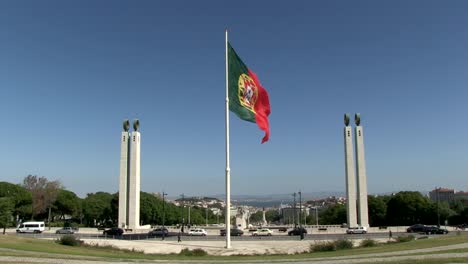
pixel 40 199
pixel 401 209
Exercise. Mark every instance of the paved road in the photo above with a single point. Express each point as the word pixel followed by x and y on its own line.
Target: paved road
pixel 247 237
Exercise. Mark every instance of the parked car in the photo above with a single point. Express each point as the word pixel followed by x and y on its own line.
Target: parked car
pixel 234 232
pixel 262 232
pixel 282 229
pixel 159 232
pixel 357 230
pixel 297 231
pixel 65 230
pixel 435 230
pixel 197 232
pixel 114 231
pixel 417 228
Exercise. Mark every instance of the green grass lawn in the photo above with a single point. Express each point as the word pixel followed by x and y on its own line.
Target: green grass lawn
pixel 39 248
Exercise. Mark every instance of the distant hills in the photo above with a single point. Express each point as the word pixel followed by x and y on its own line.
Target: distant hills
pixel 273 200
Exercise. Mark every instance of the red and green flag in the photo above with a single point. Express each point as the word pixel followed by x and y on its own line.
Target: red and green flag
pixel 247 98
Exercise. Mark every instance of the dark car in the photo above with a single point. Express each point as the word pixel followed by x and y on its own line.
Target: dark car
pixel 435 230
pixel 159 232
pixel 234 232
pixel 114 231
pixel 297 231
pixel 417 228
pixel 282 229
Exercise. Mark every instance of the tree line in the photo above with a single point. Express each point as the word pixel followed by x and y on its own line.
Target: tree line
pixel 401 209
pixel 37 198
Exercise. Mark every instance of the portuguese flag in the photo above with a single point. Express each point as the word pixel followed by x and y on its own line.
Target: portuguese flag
pixel 247 98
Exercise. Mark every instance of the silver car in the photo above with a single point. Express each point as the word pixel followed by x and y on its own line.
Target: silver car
pixel 65 230
pixel 262 232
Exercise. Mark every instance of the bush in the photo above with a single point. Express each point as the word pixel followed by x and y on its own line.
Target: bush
pixel 368 243
pixel 405 238
pixel 69 240
pixel 320 247
pixel 198 252
pixel 343 244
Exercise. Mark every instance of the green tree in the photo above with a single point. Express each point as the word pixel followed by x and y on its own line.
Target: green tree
pixel 150 209
pixel 21 198
pixel 272 216
pixel 6 211
pixel 333 215
pixel 377 210
pixel 407 208
pixel 97 209
pixel 67 203
pixel 256 218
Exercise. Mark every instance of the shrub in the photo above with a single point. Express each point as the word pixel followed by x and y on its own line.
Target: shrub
pixel 69 240
pixel 405 238
pixel 343 244
pixel 320 247
pixel 198 252
pixel 368 243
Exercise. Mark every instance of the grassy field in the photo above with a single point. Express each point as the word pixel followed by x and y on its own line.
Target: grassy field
pixel 38 248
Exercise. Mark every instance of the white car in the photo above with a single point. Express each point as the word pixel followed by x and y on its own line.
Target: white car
pixel 356 230
pixel 197 232
pixel 262 232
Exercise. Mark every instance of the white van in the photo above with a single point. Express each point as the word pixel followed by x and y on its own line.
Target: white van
pixel 31 227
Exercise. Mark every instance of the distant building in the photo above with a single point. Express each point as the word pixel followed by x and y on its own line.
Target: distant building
pixel 461 195
pixel 442 195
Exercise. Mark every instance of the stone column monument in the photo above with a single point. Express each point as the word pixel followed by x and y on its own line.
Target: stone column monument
pixel 129 189
pixel 363 216
pixel 124 175
pixel 350 175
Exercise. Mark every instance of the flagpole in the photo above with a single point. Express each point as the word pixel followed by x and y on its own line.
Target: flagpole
pixel 228 169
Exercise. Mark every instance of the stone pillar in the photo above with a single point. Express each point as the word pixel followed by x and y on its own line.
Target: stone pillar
pixel 134 182
pixel 264 221
pixel 350 175
pixel 363 216
pixel 124 177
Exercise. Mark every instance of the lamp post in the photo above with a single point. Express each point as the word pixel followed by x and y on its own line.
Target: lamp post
pixel 164 215
pixel 300 209
pixel 438 211
pixel 183 211
pixel 164 209
pixel 294 209
pixel 300 215
pixel 188 215
pixel 316 216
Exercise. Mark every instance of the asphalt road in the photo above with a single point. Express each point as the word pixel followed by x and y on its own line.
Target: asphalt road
pixel 245 237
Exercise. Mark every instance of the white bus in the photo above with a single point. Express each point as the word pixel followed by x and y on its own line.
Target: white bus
pixel 31 227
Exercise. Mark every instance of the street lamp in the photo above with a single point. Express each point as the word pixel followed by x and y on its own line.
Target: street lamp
pixel 164 215
pixel 300 215
pixel 316 216
pixel 294 209
pixel 300 209
pixel 183 211
pixel 438 211
pixel 164 208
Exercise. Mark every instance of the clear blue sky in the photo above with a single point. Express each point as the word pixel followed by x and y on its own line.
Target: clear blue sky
pixel 71 71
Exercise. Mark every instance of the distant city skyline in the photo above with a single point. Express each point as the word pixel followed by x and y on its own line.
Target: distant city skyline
pixel 71 72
